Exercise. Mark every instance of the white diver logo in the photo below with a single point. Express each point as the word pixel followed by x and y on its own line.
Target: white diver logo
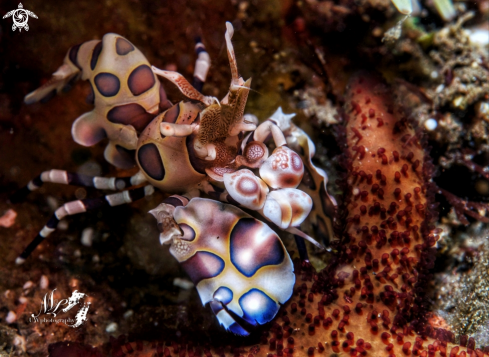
pixel 50 306
pixel 20 17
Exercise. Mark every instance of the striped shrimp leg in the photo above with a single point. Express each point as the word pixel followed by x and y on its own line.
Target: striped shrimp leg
pixel 202 65
pixel 82 206
pixel 69 178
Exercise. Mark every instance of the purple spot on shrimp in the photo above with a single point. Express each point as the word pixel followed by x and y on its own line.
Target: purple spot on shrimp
pixel 141 79
pixel 258 307
pixel 203 265
pixel 188 232
pixel 224 295
pixel 150 161
pixel 95 55
pixel 254 245
pixel 107 84
pixel 123 47
pixel 172 114
pixel 130 114
pixel 73 55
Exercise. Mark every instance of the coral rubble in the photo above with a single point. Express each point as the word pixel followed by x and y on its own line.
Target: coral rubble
pixel 463 290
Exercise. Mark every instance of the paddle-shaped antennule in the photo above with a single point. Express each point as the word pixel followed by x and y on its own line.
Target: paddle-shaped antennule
pixel 232 57
pixel 219 122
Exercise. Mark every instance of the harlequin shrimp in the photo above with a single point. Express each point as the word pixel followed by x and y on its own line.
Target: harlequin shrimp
pixel 123 89
pixel 201 147
pixel 233 259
